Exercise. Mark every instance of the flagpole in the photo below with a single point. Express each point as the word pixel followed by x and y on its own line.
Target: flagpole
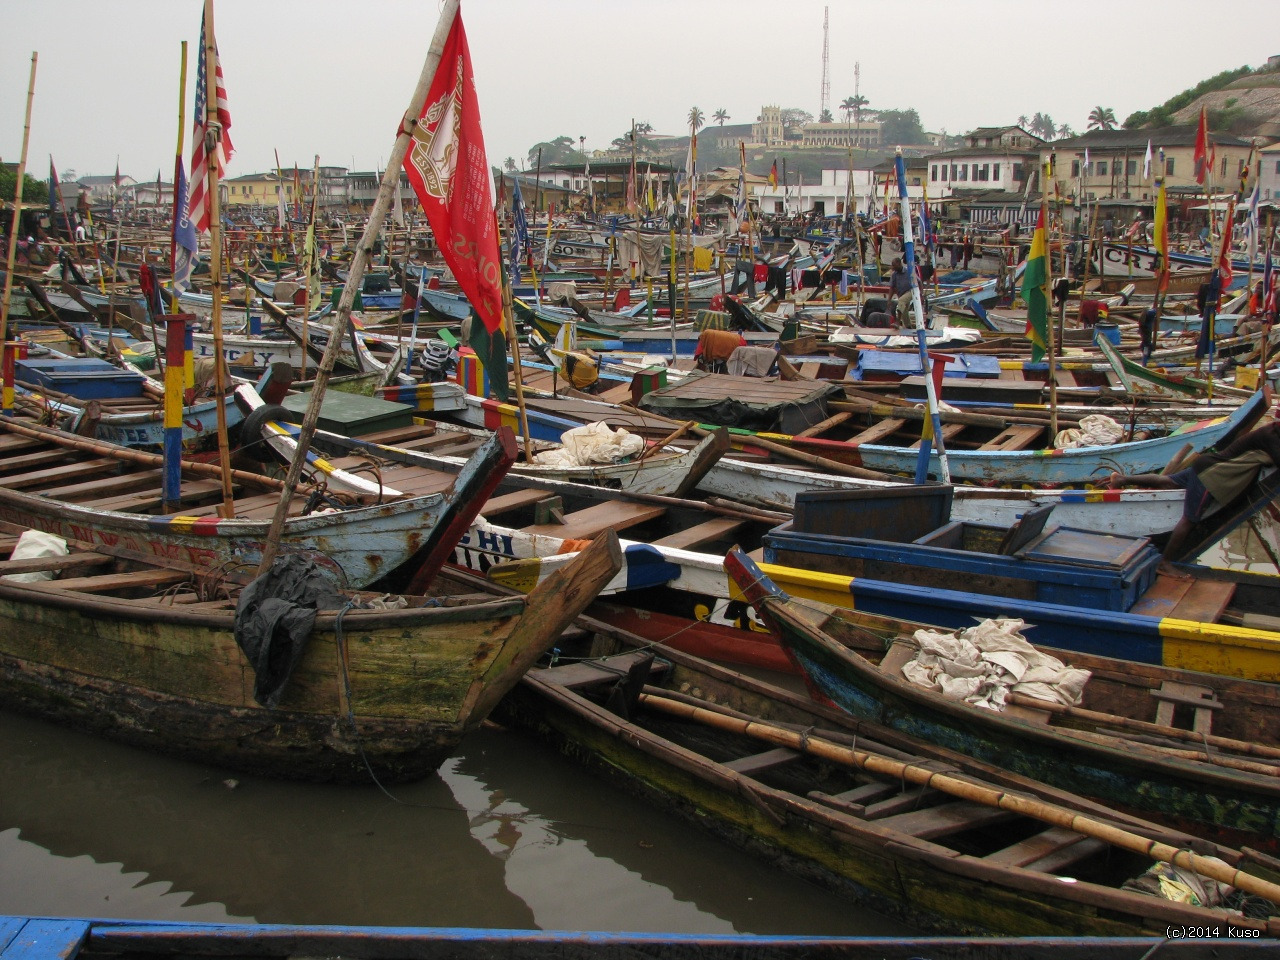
pixel 355 277
pixel 15 227
pixel 931 391
pixel 508 321
pixel 1050 350
pixel 177 200
pixel 213 134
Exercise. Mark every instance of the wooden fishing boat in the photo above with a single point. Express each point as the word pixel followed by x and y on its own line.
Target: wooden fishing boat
pixel 656 471
pixel 770 470
pixel 1082 591
pixel 915 830
pixel 999 460
pixel 1138 379
pixel 97 493
pixel 1216 773
pixel 46 938
pixel 165 659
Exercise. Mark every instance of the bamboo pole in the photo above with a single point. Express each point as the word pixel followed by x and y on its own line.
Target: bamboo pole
pixel 15 226
pixel 355 276
pixel 968 790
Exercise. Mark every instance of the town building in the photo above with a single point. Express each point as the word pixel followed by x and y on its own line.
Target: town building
pixel 992 159
pixel 1115 167
pixel 1269 172
pixel 827 197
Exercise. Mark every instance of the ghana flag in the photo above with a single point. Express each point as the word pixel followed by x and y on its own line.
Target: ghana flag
pixel 1034 285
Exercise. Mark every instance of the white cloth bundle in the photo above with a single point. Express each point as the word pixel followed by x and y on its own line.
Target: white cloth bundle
pixel 984 663
pixel 594 443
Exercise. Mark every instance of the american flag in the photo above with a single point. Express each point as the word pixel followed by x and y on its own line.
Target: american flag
pixel 200 207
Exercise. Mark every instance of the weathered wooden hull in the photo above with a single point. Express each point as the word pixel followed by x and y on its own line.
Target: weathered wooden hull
pixel 361 544
pixel 1234 806
pixel 161 680
pixel 1232 651
pixel 389 691
pixel 744 801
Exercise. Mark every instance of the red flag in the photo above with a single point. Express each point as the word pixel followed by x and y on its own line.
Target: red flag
pixel 1201 157
pixel 1224 255
pixel 200 207
pixel 449 171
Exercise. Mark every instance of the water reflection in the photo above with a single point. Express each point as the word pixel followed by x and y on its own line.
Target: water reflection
pixel 509 835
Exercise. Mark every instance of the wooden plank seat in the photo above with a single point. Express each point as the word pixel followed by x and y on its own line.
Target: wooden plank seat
pixel 13 442
pixel 108 582
pixel 72 561
pixel 912 798
pixel 594 520
pixel 700 533
pixel 145 500
pixel 516 500
pixel 1053 845
pixel 1161 597
pixel 1202 700
pixel 65 472
pixel 1017 436
pixel 855 801
pixel 1205 601
pixel 397 436
pixel 760 762
pixel 585 673
pixel 949 432
pixel 441 441
pixel 39 458
pixel 946 819
pixel 878 431
pixel 106 486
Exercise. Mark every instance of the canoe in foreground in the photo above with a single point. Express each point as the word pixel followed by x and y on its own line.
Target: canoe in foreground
pixel 56 938
pixel 149 656
pixel 911 829
pixel 1218 775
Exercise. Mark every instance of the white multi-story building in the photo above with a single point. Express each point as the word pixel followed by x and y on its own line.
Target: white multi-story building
pixel 993 158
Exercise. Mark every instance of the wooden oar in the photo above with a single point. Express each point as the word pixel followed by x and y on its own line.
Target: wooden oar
pixel 973 792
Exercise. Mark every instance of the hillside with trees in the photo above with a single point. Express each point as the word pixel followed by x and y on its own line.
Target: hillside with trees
pixel 1243 101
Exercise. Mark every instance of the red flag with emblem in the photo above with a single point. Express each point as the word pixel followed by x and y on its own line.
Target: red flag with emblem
pixel 1201 159
pixel 449 171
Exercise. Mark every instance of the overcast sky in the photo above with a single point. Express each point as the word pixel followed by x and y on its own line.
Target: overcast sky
pixel 332 77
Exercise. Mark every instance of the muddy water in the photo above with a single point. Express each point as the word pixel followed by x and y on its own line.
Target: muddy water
pixel 508 835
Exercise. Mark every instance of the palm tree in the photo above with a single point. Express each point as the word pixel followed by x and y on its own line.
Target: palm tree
pixel 695 119
pixel 510 164
pixel 1102 118
pixel 825 116
pixel 1042 126
pixel 847 106
pixel 1023 121
pixel 1065 131
pixel 720 116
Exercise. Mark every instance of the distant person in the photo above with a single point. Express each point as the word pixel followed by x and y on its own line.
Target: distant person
pixel 1211 479
pixel 1147 329
pixel 900 288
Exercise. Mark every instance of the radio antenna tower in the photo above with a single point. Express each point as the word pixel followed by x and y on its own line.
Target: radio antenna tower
pixel 826 68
